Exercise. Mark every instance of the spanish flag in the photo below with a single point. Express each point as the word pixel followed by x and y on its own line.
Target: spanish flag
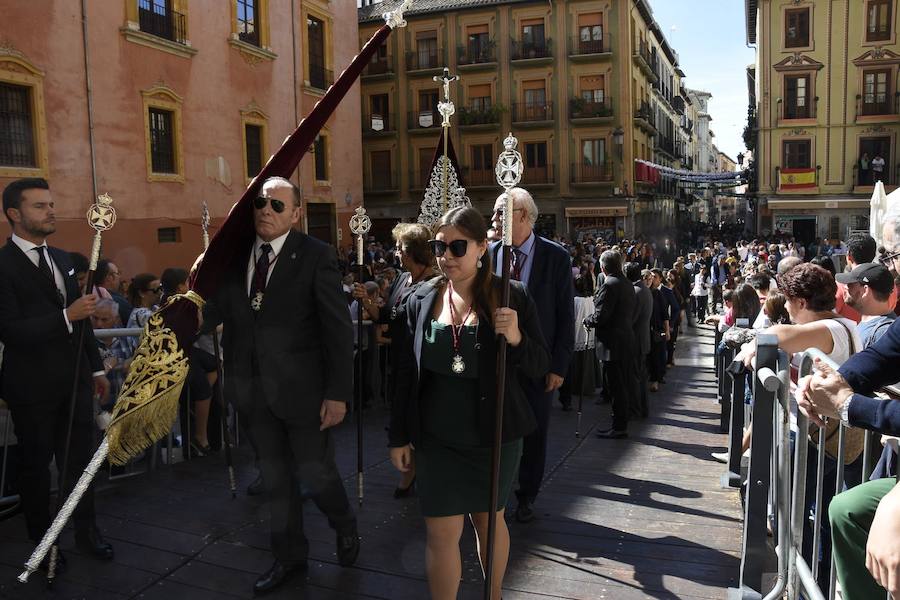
pixel 797 179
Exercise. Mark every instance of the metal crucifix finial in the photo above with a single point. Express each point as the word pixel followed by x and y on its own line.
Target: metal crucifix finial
pixel 446 107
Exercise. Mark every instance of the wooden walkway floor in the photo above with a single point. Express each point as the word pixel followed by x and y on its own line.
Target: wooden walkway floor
pixel 619 519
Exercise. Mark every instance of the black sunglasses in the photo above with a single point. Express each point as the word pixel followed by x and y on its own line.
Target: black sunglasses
pixel 458 248
pixel 260 203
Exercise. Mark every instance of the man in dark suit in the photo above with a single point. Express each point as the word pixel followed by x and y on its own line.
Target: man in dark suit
pixel 546 270
pixel 642 312
pixel 614 322
pixel 288 346
pixel 42 313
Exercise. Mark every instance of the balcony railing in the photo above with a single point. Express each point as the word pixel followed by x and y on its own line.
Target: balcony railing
pixel 473 54
pixel 643 51
pixel 470 115
pixel 807 111
pixel 665 144
pixel 588 173
pixel 579 108
pixel 424 59
pixel 524 112
pixel 380 66
pixel 478 177
pixel 320 77
pixel 249 37
pixel 424 119
pixel 384 181
pixel 538 174
pixel 580 47
pixel 889 106
pixel 158 21
pixel 642 111
pixel 520 50
pixel 378 123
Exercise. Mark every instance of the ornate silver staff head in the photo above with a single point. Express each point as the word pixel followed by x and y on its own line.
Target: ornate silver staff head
pixel 394 18
pixel 446 108
pixel 101 216
pixel 509 174
pixel 360 223
pixel 204 225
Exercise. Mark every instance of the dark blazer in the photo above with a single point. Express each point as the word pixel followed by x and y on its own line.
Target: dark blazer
pixel 530 356
pixel 39 352
pixel 614 316
pixel 867 371
pixel 299 346
pixel 550 285
pixel 642 310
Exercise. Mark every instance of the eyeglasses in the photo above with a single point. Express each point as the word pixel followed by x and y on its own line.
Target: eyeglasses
pixel 499 211
pixel 155 290
pixel 887 259
pixel 260 203
pixel 458 248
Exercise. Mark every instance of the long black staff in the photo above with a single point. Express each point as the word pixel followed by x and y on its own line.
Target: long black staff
pixel 101 216
pixel 220 391
pixel 588 350
pixel 359 225
pixel 509 173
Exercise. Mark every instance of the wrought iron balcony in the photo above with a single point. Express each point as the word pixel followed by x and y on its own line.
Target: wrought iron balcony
pixel 417 60
pixel 579 108
pixel 381 182
pixel 320 77
pixel 522 50
pixel 473 54
pixel 525 112
pixel 472 178
pixel 379 66
pixel 591 173
pixel 580 47
pixel 470 115
pixel 157 20
pixel 539 174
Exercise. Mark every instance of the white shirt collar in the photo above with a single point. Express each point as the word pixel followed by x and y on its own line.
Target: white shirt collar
pixel 276 244
pixel 25 245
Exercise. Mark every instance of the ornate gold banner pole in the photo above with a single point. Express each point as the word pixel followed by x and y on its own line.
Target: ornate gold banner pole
pixel 359 225
pixel 509 173
pixel 220 390
pixel 101 216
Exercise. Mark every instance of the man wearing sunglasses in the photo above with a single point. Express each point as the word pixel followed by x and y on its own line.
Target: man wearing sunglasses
pixel 546 270
pixel 289 361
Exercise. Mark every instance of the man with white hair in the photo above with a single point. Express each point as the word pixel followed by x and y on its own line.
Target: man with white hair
pixel 545 269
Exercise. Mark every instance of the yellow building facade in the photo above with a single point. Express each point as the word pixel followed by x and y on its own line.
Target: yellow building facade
pixel 827 112
pixel 573 80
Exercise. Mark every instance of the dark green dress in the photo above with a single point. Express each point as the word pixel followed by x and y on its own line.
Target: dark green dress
pixel 453 469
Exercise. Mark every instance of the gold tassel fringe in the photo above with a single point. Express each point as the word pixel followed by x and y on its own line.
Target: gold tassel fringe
pixel 148 404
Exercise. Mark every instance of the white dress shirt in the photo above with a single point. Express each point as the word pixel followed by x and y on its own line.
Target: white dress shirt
pixel 277 244
pixel 29 248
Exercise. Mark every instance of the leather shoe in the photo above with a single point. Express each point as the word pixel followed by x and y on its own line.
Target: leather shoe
pixel 525 511
pixel 277 575
pixel 612 434
pixel 256 488
pixel 92 543
pixel 348 547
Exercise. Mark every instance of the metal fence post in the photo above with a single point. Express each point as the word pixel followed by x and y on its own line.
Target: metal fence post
pixel 724 388
pixel 755 552
pixel 732 476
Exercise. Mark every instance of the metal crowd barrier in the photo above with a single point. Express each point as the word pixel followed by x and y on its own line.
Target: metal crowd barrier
pixel 775 480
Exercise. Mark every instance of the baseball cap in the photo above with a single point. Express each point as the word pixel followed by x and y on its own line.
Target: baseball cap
pixel 874 275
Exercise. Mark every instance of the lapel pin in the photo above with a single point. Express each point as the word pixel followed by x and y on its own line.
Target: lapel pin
pixel 293 255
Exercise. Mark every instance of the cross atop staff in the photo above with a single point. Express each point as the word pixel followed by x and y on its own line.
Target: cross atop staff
pixel 446 107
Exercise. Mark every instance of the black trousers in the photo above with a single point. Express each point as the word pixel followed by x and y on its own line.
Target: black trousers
pixel 297 462
pixel 656 360
pixel 534 448
pixel 41 433
pixel 641 407
pixel 621 387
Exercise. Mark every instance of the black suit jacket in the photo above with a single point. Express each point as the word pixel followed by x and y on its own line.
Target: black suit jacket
pixel 298 349
pixel 530 356
pixel 550 285
pixel 614 316
pixel 39 352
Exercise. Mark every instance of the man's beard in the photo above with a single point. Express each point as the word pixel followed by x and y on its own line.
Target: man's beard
pixel 38 229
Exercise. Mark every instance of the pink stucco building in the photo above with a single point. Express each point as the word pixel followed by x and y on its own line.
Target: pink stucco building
pixel 165 104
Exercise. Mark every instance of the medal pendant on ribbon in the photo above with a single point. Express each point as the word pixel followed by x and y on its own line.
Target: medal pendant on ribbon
pixel 256 302
pixel 458 366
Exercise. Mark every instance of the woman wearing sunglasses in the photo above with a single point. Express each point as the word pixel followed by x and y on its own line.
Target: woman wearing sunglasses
pixel 445 397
